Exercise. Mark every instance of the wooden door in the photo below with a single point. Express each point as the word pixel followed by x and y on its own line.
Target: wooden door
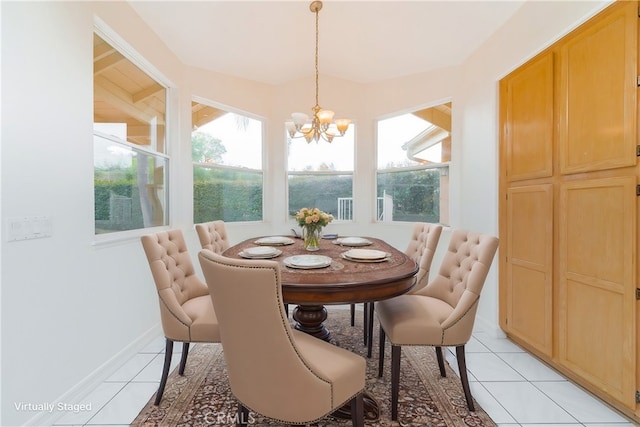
pixel 526 251
pixel 597 245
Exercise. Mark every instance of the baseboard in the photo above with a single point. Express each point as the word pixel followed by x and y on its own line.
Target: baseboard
pixel 97 377
pixel 490 328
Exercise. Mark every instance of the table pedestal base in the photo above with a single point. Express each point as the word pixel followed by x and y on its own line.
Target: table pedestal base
pixel 310 319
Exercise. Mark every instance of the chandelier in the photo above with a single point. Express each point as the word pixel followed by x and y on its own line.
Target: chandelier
pixel 321 124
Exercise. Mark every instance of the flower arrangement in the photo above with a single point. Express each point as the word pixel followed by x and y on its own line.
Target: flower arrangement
pixel 312 220
pixel 313 217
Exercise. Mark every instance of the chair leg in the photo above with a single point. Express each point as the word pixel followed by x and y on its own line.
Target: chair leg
pixel 353 314
pixel 443 373
pixel 383 337
pixel 395 380
pixel 357 411
pixel 370 308
pixel 243 416
pixel 168 351
pixel 365 323
pixel 462 367
pixel 183 360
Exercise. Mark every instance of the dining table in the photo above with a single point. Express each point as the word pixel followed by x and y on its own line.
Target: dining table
pixel 336 278
pixel 344 270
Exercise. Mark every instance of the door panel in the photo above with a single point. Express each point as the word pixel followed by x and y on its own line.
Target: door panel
pixel 596 321
pixel 529 120
pixel 529 264
pixel 597 94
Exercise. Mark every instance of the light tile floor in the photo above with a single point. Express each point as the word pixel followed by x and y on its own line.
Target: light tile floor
pixel 512 386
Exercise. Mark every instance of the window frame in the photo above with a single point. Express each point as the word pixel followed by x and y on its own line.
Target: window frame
pixel 443 168
pixel 106 33
pixel 221 167
pixel 352 172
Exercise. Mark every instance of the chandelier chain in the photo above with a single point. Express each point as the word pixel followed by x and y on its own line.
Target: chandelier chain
pixel 317 37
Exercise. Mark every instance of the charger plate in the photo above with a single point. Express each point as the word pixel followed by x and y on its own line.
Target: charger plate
pixel 274 240
pixel 365 254
pixel 260 252
pixel 307 262
pixel 352 241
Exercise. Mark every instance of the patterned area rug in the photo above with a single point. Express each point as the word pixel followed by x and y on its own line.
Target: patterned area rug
pixel 202 396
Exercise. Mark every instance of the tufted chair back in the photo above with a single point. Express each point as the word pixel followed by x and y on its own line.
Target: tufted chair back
pixel 461 277
pixel 178 286
pixel 422 247
pixel 274 370
pixel 213 236
pixel 442 313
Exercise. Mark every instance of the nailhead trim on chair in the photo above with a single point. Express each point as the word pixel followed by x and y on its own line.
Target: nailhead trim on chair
pixel 176 317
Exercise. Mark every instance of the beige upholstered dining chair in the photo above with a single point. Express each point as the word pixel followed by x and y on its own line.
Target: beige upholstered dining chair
pixel 213 236
pixel 422 247
pixel 274 370
pixel 186 310
pixel 442 313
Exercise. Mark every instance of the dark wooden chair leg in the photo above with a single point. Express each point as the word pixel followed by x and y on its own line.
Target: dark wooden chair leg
pixel 443 373
pixel 383 338
pixel 395 380
pixel 462 367
pixel 370 308
pixel 357 411
pixel 183 360
pixel 168 351
pixel 365 323
pixel 353 314
pixel 243 416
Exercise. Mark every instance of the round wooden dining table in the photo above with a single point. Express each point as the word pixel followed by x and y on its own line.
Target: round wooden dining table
pixel 344 281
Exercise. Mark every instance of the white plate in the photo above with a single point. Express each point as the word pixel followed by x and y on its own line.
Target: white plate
pixel 365 254
pixel 352 241
pixel 274 240
pixel 307 261
pixel 260 252
pixel 366 260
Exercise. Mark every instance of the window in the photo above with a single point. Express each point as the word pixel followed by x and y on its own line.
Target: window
pixel 130 160
pixel 227 165
pixel 413 155
pixel 320 175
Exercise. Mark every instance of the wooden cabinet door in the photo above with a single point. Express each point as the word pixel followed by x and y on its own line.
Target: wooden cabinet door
pixel 596 319
pixel 597 93
pixel 528 134
pixel 530 265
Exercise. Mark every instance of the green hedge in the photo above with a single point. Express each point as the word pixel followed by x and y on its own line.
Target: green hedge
pixel 233 195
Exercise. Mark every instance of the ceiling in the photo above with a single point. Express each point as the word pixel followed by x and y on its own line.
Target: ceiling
pixel 360 41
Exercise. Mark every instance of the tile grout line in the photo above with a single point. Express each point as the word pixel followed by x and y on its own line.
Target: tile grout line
pixel 126 383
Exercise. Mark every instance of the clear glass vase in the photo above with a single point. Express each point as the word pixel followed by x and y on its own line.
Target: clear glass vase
pixel 311 236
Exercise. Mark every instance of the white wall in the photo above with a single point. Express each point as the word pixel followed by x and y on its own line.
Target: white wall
pixel 68 306
pixel 72 310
